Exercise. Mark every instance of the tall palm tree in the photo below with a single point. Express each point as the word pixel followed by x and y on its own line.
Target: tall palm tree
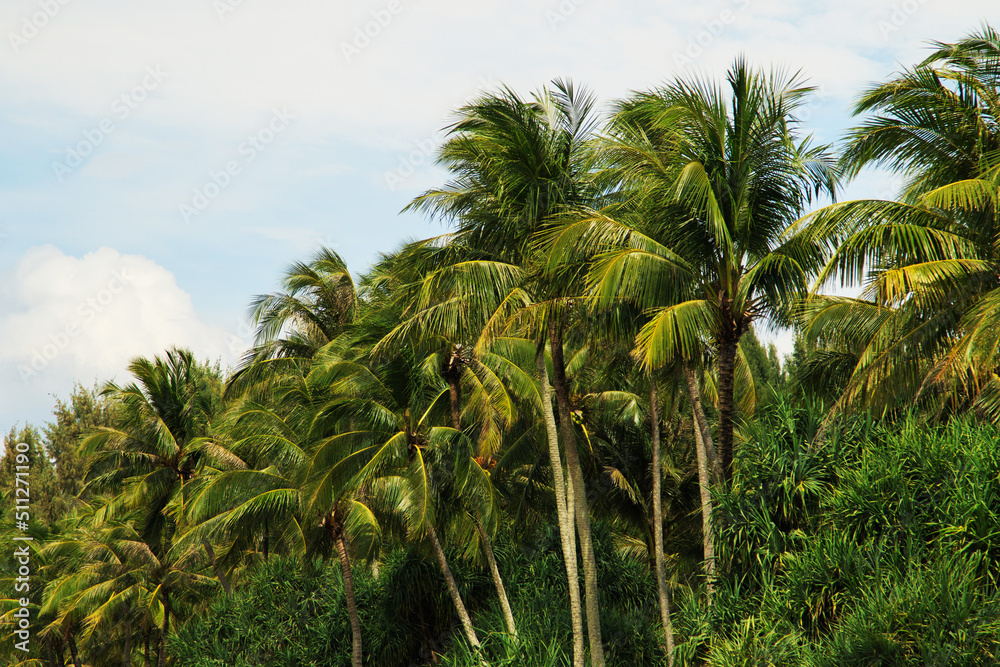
pixel 706 241
pixel 514 163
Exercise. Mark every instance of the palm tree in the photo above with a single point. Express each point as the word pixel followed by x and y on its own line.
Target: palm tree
pixel 924 323
pixel 110 578
pixel 317 306
pixel 515 163
pixel 149 458
pixel 319 301
pixel 706 242
pixel 290 483
pixel 384 447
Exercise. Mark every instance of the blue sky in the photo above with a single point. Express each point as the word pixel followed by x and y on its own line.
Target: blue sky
pixel 162 163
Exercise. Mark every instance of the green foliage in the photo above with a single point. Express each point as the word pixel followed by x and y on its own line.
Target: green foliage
pixel 878 547
pixel 859 526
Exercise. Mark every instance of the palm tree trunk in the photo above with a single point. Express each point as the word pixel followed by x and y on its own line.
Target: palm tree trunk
pixel 352 606
pixel 127 656
pixel 456 423
pixel 701 423
pixel 61 653
pixel 567 532
pixel 146 650
pixel 456 597
pixel 727 363
pixel 661 576
pixel 705 486
pixel 51 654
pixel 162 657
pixel 456 404
pixel 508 615
pixel 72 650
pixel 219 574
pixel 582 510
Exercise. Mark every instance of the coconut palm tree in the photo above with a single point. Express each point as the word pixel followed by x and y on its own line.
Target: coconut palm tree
pixel 112 583
pixel 288 483
pixel 161 440
pixel 386 446
pixel 148 459
pixel 514 163
pixel 715 179
pixel 922 325
pixel 318 302
pixel 491 384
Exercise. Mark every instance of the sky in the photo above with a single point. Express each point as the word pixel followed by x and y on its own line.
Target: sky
pixel 163 162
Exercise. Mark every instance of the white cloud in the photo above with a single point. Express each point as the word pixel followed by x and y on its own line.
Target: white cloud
pixel 66 318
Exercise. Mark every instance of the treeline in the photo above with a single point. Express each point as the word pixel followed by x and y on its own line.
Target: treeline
pixel 551 436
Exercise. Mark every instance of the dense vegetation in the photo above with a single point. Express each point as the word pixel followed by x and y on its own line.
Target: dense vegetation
pixel 551 435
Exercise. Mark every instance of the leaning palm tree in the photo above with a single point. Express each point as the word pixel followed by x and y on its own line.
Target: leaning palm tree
pixel 922 325
pixel 484 386
pixel 161 441
pixel 706 241
pixel 384 446
pixel 317 306
pixel 288 498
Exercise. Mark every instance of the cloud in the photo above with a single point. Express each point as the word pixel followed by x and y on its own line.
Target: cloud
pixel 67 319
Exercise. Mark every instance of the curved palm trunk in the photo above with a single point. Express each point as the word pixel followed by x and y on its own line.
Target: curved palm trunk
pixel 456 422
pixel 162 658
pixel 704 483
pixel 567 532
pixel 581 509
pixel 661 576
pixel 508 615
pixel 51 655
pixel 456 597
pixel 352 606
pixel 727 364
pixel 146 650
